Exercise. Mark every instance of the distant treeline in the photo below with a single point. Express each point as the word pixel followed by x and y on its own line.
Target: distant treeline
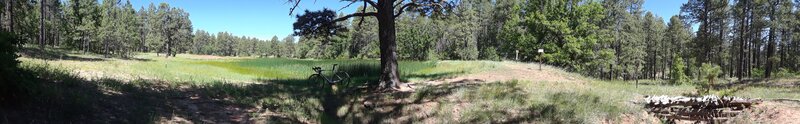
pixel 611 39
pixel 116 29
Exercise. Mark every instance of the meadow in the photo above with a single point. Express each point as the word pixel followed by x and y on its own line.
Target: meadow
pixel 204 69
pixel 199 88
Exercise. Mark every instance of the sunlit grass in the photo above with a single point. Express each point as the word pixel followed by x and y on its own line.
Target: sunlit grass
pixel 770 93
pixel 196 69
pixel 581 101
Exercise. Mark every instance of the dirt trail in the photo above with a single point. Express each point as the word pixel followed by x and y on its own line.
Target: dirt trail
pixel 773 112
pixel 515 71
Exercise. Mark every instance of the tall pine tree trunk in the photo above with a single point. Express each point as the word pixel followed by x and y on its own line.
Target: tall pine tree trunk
pixel 84 43
pixel 9 16
pixel 783 45
pixel 105 47
pixel 742 33
pixel 3 15
pixel 41 24
pixel 771 44
pixel 390 78
pixel 168 50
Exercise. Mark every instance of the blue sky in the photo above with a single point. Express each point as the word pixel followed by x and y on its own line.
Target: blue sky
pixel 262 19
pixel 664 8
pixel 266 18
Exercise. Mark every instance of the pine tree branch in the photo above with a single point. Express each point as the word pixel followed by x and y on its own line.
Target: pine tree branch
pixel 297 2
pixel 371 3
pixel 354 15
pixel 415 4
pixel 420 3
pixel 291 10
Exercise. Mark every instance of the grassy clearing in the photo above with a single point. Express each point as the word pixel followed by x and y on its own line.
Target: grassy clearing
pixel 769 93
pixel 548 102
pixel 193 68
pixel 361 70
pixel 149 88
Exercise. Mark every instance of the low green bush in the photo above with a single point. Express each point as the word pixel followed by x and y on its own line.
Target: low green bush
pixel 10 79
pixel 709 73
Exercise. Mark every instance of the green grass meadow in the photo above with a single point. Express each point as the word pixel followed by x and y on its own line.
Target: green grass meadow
pixel 147 88
pixel 190 68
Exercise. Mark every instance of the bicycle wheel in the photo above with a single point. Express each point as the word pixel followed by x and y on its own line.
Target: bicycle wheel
pixel 314 81
pixel 344 78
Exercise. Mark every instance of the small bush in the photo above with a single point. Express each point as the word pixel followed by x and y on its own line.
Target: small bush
pixel 757 72
pixel 785 73
pixel 9 76
pixel 709 73
pixel 490 54
pixel 678 71
pixel 726 92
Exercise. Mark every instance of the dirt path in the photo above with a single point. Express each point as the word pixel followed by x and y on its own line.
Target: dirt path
pixel 515 71
pixel 773 112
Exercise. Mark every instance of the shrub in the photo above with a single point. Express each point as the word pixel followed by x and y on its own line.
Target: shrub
pixel 757 72
pixel 490 54
pixel 8 56
pixel 8 66
pixel 785 73
pixel 677 73
pixel 709 73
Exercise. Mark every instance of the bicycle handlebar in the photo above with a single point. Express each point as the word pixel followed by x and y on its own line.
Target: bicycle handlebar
pixel 319 69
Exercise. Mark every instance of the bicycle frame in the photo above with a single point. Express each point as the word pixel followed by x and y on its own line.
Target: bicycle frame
pixel 319 71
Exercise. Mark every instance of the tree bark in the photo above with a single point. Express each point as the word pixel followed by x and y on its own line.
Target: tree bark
pixel 742 23
pixel 168 48
pixel 390 78
pixel 3 14
pixel 10 16
pixel 41 24
pixel 84 44
pixel 771 44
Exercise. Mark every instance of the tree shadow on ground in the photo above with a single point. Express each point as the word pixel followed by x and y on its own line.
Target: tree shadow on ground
pixel 388 106
pixel 54 96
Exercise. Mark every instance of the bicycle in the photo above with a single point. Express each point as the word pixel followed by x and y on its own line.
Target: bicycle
pixel 338 77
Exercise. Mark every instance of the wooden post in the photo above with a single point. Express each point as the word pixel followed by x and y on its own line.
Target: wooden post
pixel 541 52
pixel 636 75
pixel 516 56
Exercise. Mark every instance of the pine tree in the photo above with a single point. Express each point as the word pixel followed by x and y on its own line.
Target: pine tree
pixel 677 73
pixel 288 47
pixel 274 47
pixel 364 38
pixel 653 25
pixel 414 37
pixel 676 36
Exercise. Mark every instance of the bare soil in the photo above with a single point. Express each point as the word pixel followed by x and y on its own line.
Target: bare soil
pixel 515 71
pixel 772 112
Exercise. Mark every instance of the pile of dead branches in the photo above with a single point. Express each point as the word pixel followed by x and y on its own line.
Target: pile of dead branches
pixel 706 108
